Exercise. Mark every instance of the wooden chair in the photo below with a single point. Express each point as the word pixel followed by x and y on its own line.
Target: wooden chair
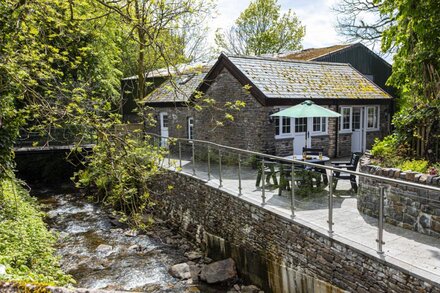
pixel 349 165
pixel 287 182
pixel 316 152
pixel 313 151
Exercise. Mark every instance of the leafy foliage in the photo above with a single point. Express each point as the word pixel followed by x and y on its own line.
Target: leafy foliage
pixel 120 169
pixel 261 29
pixel 420 166
pixel 26 246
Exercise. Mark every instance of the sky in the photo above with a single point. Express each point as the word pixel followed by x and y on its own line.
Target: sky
pixel 316 15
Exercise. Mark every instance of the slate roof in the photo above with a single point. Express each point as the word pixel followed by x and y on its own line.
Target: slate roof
pixel 176 89
pixel 312 53
pixel 293 79
pixel 176 70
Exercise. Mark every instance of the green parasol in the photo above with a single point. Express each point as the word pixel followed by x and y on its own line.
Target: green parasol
pixel 306 109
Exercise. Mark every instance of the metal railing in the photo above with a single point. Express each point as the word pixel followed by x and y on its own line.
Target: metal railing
pixel 295 167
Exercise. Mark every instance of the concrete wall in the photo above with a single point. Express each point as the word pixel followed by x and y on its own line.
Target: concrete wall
pixel 411 208
pixel 273 251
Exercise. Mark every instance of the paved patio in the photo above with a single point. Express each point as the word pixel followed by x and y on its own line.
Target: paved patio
pixel 413 251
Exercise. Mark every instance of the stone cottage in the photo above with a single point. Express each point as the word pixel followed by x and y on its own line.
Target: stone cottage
pixel 267 85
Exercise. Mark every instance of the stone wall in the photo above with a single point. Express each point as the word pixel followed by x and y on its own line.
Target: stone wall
pixel 251 128
pixel 273 251
pixel 408 207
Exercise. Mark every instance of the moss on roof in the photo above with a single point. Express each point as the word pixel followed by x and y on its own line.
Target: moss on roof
pixel 312 53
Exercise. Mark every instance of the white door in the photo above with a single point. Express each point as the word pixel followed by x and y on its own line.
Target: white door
pixel 357 126
pixel 163 129
pixel 302 135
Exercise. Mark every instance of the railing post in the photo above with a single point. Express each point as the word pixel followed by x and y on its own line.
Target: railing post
pixel 220 168
pixel 239 174
pixel 209 162
pixel 169 153
pixel 180 155
pixel 193 158
pixel 292 192
pixel 330 202
pixel 379 239
pixel 263 183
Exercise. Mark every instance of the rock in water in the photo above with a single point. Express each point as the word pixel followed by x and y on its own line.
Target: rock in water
pixel 219 271
pixel 181 271
pixel 104 249
pixel 194 255
pixel 250 289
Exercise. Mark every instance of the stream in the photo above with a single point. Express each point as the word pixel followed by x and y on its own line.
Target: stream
pixel 100 253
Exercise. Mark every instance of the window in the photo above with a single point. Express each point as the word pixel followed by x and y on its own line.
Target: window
pixel 164 120
pixel 345 119
pixel 356 119
pixel 319 125
pixel 283 126
pixel 286 125
pixel 300 125
pixel 190 128
pixel 373 117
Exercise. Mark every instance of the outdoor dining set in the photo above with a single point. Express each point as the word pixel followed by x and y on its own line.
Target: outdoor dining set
pixel 307 179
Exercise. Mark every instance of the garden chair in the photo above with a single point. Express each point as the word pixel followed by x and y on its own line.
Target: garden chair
pixel 349 165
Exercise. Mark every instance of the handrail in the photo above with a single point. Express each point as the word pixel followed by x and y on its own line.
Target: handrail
pixel 330 168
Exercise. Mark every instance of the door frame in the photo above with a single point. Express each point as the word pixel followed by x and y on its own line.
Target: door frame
pixel 163 140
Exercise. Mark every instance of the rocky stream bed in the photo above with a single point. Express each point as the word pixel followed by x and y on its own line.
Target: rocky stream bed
pixel 101 253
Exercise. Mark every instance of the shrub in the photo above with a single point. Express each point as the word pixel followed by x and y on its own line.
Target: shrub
pixel 386 147
pixel 420 166
pixel 26 246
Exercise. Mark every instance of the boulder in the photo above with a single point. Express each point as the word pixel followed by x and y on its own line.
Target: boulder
pixel 181 271
pixel 2 270
pixel 219 271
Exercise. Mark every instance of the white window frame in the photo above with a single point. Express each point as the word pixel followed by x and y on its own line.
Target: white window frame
pixel 190 127
pixel 341 122
pixel 377 113
pixel 282 134
pixel 321 131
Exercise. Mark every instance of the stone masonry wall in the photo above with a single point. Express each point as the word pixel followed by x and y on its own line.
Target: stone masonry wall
pixel 275 252
pixel 251 128
pixel 411 208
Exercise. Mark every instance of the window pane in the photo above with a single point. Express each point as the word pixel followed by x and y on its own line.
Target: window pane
pixel 300 124
pixel 286 125
pixel 372 117
pixel 277 125
pixel 356 118
pixel 317 124
pixel 164 120
pixel 324 124
pixel 346 118
pixel 190 128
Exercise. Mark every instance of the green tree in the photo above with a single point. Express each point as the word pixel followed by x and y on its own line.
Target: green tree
pixel 412 30
pixel 261 29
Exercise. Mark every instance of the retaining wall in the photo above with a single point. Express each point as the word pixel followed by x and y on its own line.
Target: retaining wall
pixel 271 250
pixel 408 207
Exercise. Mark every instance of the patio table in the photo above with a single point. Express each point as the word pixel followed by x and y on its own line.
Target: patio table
pixel 306 175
